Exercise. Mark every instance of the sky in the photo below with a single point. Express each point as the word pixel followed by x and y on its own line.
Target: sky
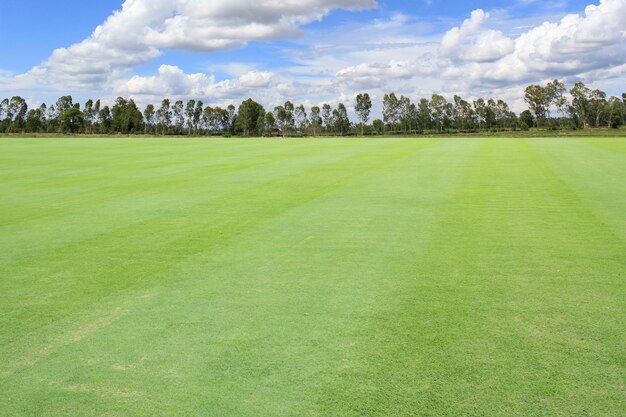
pixel 307 51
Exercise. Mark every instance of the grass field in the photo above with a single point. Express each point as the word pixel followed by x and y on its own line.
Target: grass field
pixel 444 276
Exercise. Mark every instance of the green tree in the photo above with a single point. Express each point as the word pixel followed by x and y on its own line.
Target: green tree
pixel 438 111
pixel 363 108
pixel 300 118
pixel 423 114
pixel 164 116
pixel 179 116
pixel 615 112
pixel 597 105
pixel 391 110
pixel 580 103
pixel 342 122
pixel 149 115
pixel 316 119
pixel 378 126
pixel 327 116
pixel 270 121
pixel 197 116
pixel 281 119
pixel 250 118
pixel 538 100
pixel 126 117
pixel 71 120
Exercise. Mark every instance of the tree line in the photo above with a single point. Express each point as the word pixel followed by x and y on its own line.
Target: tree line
pixel 549 107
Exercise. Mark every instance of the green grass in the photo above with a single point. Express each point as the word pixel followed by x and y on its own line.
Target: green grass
pixel 443 276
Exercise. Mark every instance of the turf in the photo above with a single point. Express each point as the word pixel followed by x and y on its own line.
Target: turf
pixel 234 277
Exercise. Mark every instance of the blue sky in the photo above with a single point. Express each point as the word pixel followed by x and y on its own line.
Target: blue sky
pixel 310 51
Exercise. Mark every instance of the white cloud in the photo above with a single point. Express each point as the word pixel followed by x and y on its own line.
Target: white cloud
pixel 471 42
pixel 171 81
pixel 139 32
pixel 473 58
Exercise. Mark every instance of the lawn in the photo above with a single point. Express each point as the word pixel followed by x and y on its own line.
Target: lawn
pixel 355 277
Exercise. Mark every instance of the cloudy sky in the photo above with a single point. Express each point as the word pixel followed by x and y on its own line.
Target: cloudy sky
pixel 309 51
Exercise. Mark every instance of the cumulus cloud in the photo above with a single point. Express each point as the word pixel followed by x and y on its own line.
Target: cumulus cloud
pixel 574 46
pixel 471 42
pixel 173 81
pixel 140 31
pixel 472 56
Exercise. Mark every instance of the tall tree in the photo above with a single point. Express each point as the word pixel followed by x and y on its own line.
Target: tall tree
pixel 179 116
pixel 597 105
pixel 164 115
pixel 363 107
pixel 250 118
pixel 557 93
pixel 538 100
pixel 316 119
pixel 615 112
pixel 438 111
pixel 423 114
pixel 300 118
pixel 126 117
pixel 16 112
pixel 342 121
pixel 580 103
pixel 391 110
pixel 281 118
pixel 327 116
pixel 71 120
pixel 190 109
pixel 270 121
pixel 149 115
pixel 197 116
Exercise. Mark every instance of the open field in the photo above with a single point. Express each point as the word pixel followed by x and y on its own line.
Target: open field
pixel 233 277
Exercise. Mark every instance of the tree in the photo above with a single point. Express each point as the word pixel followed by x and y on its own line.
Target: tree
pixel 423 114
pixel 615 112
pixel 557 93
pixel 462 113
pixel 197 116
pixel 281 118
pixel 164 115
pixel 71 120
pixel 270 121
pixel 580 103
pixel 342 121
pixel 526 118
pixel 189 112
pixel 363 108
pixel 438 111
pixel 538 100
pixel 35 119
pixel 300 118
pixel 250 118
pixel 597 105
pixel 289 120
pixel 126 117
pixel 327 116
pixel 149 115
pixel 16 110
pixel 105 119
pixel 378 126
pixel 391 110
pixel 88 115
pixel 179 116
pixel 316 119
pixel 63 104
pixel 230 118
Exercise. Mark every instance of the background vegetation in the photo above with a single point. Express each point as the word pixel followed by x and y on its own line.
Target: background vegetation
pixel 550 107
